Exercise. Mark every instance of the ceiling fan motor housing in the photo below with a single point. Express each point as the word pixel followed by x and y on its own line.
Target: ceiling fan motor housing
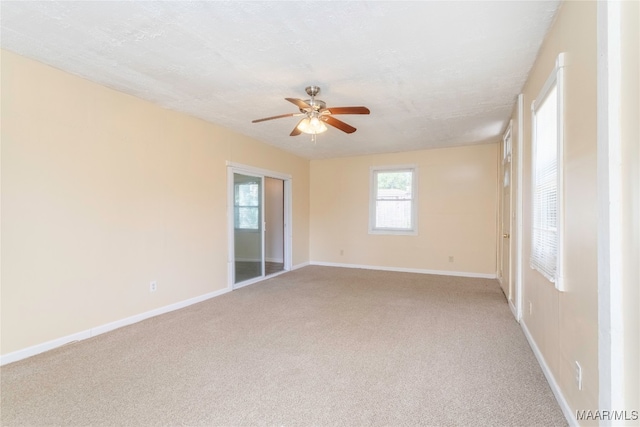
pixel 316 104
pixel 312 90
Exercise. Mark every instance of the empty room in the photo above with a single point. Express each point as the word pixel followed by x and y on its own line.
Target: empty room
pixel 320 213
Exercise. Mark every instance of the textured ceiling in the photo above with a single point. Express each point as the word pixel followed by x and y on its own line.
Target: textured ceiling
pixel 433 74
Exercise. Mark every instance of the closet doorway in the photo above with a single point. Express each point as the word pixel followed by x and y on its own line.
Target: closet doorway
pixel 259 236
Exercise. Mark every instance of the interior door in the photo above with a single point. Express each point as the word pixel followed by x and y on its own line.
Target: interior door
pixel 505 259
pixel 248 227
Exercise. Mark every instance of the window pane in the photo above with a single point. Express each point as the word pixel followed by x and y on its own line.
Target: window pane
pixel 545 187
pixel 394 185
pixel 393 214
pixel 247 194
pixel 393 203
pixel 247 217
pixel 247 205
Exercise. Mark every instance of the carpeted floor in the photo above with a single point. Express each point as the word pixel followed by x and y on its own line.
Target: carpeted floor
pixel 317 346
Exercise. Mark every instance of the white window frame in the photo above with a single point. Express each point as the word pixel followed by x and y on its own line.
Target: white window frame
pixel 555 80
pixel 373 173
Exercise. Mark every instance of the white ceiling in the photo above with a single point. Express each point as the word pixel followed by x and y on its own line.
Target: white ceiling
pixel 433 74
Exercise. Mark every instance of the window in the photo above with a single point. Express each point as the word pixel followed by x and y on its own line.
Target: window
pixel 547 141
pixel 506 157
pixel 247 206
pixel 393 204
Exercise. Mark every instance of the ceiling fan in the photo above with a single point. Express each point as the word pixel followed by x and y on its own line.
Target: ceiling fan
pixel 316 114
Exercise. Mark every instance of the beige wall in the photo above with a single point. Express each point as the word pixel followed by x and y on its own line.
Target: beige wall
pixel 457 196
pixel 103 193
pixel 564 325
pixel 630 135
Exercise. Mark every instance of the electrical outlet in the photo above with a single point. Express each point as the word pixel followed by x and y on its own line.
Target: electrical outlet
pixel 450 258
pixel 153 286
pixel 578 375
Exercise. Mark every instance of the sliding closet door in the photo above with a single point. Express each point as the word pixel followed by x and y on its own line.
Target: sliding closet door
pixel 248 227
pixel 274 225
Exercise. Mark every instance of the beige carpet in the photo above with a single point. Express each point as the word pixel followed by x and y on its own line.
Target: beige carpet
pixel 319 346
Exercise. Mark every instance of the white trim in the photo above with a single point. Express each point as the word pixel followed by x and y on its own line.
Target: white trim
pixel 407 270
pixel 288 224
pixel 514 311
pixel 560 283
pixel 373 170
pixel 274 259
pixel 519 210
pixel 257 279
pixel 251 170
pixel 555 388
pixel 301 265
pixel 498 218
pixel 98 330
pixel 231 229
pixel 609 178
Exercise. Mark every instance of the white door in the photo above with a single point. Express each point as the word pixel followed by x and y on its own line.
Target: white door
pixel 507 216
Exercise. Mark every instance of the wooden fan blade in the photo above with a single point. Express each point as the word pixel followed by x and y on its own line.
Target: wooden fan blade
pixel 348 110
pixel 338 124
pixel 299 102
pixel 295 130
pixel 275 117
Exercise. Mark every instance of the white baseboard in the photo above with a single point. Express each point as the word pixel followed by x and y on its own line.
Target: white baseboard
pixel 407 270
pixel 301 265
pixel 58 342
pixel 514 311
pixel 555 388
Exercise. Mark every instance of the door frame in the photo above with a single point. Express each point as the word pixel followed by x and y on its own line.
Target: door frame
pixel 233 168
pixel 519 207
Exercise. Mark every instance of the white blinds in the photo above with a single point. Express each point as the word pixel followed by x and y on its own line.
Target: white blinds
pixel 545 239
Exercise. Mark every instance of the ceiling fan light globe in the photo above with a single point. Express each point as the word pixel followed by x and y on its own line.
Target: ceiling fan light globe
pixel 316 125
pixel 312 126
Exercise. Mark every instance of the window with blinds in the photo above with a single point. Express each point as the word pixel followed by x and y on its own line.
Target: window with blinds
pixel 393 206
pixel 546 179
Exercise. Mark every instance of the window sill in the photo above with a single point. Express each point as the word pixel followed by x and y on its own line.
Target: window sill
pixel 394 232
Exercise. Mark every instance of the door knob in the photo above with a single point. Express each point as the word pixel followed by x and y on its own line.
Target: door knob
pixel 505 235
